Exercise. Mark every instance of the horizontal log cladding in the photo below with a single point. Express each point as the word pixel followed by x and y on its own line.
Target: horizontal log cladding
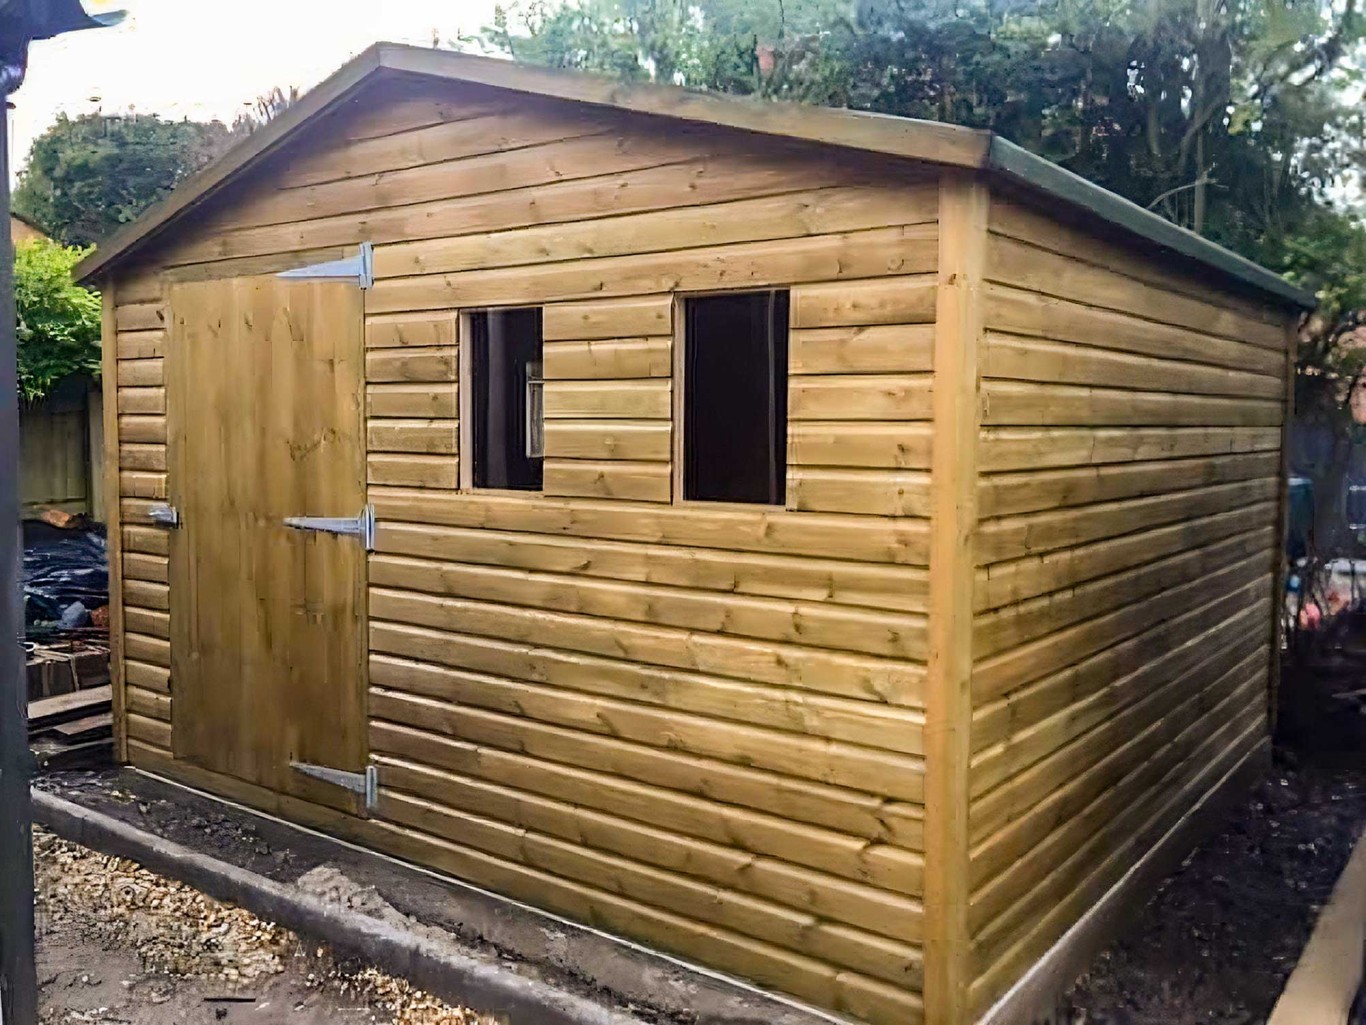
pixel 707 713
pixel 703 725
pixel 599 629
pixel 1130 480
pixel 141 592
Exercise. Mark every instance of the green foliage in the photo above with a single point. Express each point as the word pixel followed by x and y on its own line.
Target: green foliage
pixel 725 45
pixel 1231 117
pixel 1227 118
pixel 1328 252
pixel 58 320
pixel 1238 119
pixel 88 175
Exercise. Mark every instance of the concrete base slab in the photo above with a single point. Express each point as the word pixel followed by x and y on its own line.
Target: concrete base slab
pixel 1325 983
pixel 464 944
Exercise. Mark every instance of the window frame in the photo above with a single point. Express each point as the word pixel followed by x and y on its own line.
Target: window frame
pixel 465 400
pixel 678 406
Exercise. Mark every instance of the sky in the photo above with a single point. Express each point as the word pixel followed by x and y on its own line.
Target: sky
pixel 187 58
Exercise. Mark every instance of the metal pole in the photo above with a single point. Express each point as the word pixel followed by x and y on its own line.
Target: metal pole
pixel 18 978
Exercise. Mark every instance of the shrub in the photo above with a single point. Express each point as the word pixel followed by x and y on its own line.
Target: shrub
pixel 58 320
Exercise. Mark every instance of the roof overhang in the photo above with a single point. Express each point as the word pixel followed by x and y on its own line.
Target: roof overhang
pixel 929 141
pixel 29 222
pixel 1038 175
pixel 194 190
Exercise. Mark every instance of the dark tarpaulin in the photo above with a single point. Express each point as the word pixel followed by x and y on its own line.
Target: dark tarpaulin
pixel 66 575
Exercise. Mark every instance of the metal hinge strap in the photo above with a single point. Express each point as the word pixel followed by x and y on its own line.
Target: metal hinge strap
pixel 364 783
pixel 360 267
pixel 361 525
pixel 164 516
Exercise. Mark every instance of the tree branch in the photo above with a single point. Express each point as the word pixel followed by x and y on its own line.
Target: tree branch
pixel 1204 179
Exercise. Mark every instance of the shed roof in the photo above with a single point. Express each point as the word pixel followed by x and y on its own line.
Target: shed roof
pixel 27 223
pixel 930 141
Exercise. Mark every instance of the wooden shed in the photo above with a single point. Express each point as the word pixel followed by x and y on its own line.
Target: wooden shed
pixel 836 549
pixel 21 229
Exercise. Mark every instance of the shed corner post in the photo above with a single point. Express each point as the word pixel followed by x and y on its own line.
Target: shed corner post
pixel 963 206
pixel 1281 566
pixel 109 467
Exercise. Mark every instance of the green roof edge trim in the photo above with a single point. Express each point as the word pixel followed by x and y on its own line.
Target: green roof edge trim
pixel 1038 174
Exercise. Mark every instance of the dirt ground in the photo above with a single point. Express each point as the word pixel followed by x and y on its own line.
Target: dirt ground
pixel 1219 938
pixel 118 944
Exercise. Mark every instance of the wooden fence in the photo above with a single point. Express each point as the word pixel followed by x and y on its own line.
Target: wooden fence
pixel 56 438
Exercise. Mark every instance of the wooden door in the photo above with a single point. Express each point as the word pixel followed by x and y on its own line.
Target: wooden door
pixel 264 389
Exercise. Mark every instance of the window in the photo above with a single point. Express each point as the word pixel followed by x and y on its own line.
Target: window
pixel 735 398
pixel 506 398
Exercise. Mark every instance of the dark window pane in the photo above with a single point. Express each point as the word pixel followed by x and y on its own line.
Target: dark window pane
pixel 505 359
pixel 735 398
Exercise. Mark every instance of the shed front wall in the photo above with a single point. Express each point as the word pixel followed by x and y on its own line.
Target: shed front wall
pixel 703 726
pixel 1126 551
pixel 698 726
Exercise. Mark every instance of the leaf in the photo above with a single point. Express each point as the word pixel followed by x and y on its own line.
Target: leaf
pixel 58 325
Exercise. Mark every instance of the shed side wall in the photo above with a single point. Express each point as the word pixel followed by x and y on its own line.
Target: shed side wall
pixel 135 419
pixel 697 726
pixel 1127 542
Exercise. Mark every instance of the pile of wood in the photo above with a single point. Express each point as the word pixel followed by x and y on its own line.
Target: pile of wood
pixel 73 730
pixel 59 667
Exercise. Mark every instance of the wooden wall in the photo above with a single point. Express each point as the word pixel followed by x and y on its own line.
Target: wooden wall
pixel 1128 497
pixel 135 449
pixel 55 445
pixel 697 726
pixel 704 727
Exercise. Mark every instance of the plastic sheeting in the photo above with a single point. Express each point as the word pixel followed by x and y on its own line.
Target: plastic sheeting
pixel 66 576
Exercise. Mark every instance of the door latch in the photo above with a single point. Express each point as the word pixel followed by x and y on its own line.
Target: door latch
pixel 163 515
pixel 361 525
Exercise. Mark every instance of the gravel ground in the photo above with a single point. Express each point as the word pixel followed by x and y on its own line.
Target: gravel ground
pixel 118 944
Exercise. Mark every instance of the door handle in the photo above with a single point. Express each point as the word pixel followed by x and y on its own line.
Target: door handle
pixel 361 525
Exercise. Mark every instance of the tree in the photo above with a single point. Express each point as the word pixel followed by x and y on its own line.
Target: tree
pixel 1239 119
pixel 1229 117
pixel 58 320
pixel 1234 118
pixel 264 109
pixel 1225 116
pixel 88 175
pixel 767 47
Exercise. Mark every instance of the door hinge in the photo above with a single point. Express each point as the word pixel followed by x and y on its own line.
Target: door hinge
pixel 364 783
pixel 360 267
pixel 361 525
pixel 164 516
